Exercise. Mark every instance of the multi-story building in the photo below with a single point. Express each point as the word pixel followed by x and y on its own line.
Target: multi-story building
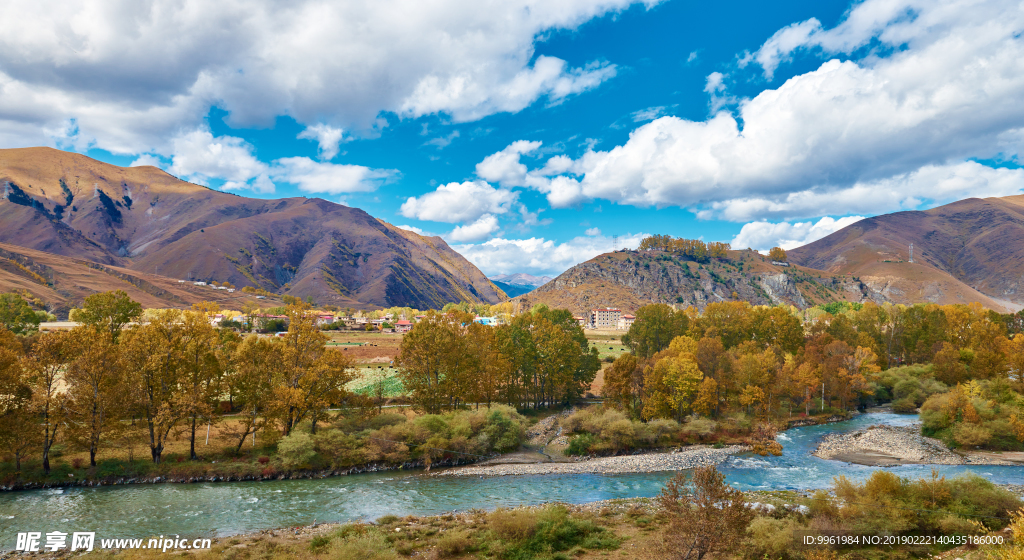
pixel 605 318
pixel 625 322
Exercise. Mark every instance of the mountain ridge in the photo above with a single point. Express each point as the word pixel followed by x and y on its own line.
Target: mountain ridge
pixel 146 220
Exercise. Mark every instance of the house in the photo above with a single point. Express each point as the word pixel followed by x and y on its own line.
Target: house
pixel 182 281
pixel 231 290
pixel 605 318
pixel 581 320
pixel 324 320
pixel 625 322
pixel 489 321
pixel 261 297
pixel 403 326
pixel 199 283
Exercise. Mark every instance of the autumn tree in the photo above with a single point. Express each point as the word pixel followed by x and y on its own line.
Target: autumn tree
pixel 256 367
pixel 673 382
pixel 777 254
pixel 150 356
pixel 96 389
pixel 433 359
pixel 313 376
pixel 653 329
pixel 46 367
pixel 707 517
pixel 199 372
pixel 109 311
pixel 18 423
pixel 624 384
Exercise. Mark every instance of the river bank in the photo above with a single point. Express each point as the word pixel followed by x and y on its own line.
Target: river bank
pixel 885 446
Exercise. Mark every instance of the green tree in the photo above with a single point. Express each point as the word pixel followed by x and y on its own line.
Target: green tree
pixel 434 359
pixel 109 311
pixel 16 315
pixel 654 328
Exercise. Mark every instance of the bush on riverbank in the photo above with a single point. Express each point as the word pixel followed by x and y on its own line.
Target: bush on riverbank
pixel 602 431
pixel 979 414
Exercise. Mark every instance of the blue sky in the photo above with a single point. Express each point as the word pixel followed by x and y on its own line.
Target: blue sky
pixel 533 136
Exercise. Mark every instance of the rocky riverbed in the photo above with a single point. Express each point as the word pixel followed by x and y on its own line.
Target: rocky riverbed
pixel 687 458
pixel 898 445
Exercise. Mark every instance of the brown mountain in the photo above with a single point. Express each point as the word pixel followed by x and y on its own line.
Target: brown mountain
pixel 969 246
pixel 630 279
pixel 63 282
pixel 144 220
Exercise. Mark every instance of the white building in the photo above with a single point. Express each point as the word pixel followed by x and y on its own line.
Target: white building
pixel 605 318
pixel 625 322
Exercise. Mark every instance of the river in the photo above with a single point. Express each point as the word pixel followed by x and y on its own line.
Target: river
pixel 222 509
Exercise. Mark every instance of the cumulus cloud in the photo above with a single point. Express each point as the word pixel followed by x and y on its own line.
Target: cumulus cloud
pixel 481 229
pixel 200 157
pixel 459 202
pixel 541 256
pixel 133 73
pixel 764 235
pixel 945 92
pixel 413 229
pixel 321 177
pixel 327 137
pixel 505 168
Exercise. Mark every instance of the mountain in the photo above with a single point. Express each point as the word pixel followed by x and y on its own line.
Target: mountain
pixel 630 279
pixel 144 220
pixel 512 290
pixel 521 279
pixel 519 283
pixel 63 282
pixel 972 244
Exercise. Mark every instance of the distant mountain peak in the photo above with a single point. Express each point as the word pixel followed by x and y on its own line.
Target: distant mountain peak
pixel 521 279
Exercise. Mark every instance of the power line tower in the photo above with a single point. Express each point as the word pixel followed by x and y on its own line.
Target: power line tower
pixel 911 252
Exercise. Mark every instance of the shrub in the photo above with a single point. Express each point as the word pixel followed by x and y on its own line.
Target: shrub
pixel 263 460
pixel 904 406
pixel 580 444
pixel 452 544
pixel 365 546
pixel 512 525
pixel 971 435
pixel 772 538
pixel 700 426
pixel 557 531
pixel 296 450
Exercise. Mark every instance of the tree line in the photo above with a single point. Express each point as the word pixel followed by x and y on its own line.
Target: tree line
pixel 693 249
pixel 171 371
pixel 770 361
pixel 541 358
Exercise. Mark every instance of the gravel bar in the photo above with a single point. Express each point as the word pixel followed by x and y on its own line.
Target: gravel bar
pixel 687 458
pixel 895 445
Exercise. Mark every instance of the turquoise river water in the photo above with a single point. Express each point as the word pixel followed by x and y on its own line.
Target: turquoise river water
pixel 221 509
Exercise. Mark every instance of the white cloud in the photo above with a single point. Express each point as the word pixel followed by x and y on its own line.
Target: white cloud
pixel 906 191
pixel 198 155
pixel 504 167
pixel 476 231
pixel 327 137
pixel 459 202
pixel 946 91
pixel 765 235
pixel 132 74
pixel 413 229
pixel 442 142
pixel 593 231
pixel 147 159
pixel 541 256
pixel 648 114
pixel 321 177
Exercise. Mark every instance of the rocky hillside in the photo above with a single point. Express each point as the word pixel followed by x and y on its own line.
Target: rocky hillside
pixel 631 279
pixel 972 244
pixel 142 219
